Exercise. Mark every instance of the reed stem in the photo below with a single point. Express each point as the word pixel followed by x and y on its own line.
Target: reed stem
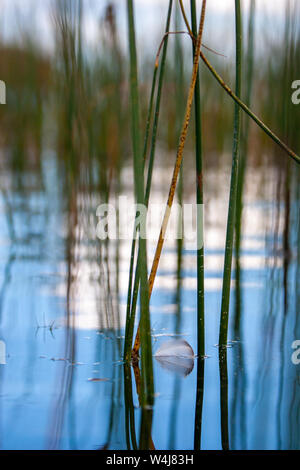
pixel 230 236
pixel 146 360
pixel 132 300
pixel 242 167
pixel 199 186
pixel 176 170
pixel 132 294
pixel 200 249
pixel 233 185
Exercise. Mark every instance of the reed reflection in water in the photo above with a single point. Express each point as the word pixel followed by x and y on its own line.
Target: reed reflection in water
pixel 62 319
pixel 64 150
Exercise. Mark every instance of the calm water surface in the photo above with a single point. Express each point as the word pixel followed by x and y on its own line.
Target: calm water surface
pixel 62 316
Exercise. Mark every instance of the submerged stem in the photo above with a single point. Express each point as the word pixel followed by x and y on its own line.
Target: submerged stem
pixel 230 234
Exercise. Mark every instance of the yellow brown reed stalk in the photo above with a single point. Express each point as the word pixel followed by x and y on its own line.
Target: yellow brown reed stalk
pixel 176 170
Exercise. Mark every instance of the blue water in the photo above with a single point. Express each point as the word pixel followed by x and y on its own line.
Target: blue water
pixel 59 323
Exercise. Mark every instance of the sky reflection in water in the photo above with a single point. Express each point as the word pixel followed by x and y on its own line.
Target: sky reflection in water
pixel 62 323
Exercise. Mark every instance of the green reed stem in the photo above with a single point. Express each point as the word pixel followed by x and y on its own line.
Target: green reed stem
pixel 146 442
pixel 242 166
pixel 129 409
pixel 176 169
pixel 147 367
pixel 180 106
pixel 200 249
pixel 150 166
pixel 129 319
pixel 157 106
pixel 233 185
